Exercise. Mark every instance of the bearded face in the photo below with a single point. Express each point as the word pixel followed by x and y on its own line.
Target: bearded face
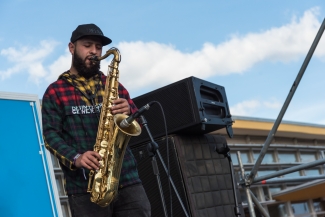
pixel 82 68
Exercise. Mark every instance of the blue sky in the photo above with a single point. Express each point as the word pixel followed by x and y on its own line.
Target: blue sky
pixel 252 48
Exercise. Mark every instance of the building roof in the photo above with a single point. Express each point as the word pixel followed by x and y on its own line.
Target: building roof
pixel 261 127
pixel 310 190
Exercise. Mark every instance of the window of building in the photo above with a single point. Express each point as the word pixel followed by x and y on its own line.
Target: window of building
pixel 234 158
pixel 312 172
pixel 278 210
pixel 287 157
pixel 292 175
pixel 268 157
pixel 243 155
pixel 300 208
pixel 319 205
pixel 243 195
pixel 307 157
pixel 274 189
pixel 265 172
pixel 267 196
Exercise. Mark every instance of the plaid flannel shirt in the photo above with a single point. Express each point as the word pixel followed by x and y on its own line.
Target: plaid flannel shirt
pixel 70 126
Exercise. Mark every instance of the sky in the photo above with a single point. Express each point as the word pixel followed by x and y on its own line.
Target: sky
pixel 254 49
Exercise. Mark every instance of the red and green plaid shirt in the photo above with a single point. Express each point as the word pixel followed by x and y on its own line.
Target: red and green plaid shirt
pixel 70 126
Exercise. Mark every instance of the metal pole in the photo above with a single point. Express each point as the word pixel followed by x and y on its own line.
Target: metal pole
pixel 258 205
pixel 286 104
pixel 161 193
pixel 289 170
pixel 246 188
pixel 285 180
pixel 172 183
pixel 305 147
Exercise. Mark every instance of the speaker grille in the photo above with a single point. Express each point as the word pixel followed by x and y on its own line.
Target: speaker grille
pixel 201 176
pixel 174 100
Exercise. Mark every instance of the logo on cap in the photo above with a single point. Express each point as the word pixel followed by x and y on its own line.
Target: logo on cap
pixel 94 31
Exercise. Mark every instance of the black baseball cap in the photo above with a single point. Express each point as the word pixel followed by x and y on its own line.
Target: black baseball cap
pixel 89 30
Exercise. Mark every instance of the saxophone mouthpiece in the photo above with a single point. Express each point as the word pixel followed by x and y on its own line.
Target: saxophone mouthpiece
pixel 94 59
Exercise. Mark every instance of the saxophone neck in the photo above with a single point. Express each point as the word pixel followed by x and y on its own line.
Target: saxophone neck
pixel 113 50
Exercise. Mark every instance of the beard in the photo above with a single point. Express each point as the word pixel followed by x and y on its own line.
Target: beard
pixel 84 70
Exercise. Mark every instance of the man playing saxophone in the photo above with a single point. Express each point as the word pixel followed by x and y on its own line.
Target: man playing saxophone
pixel 70 114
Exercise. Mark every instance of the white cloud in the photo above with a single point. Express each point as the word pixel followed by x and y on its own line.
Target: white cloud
pixel 161 64
pixel 256 108
pixel 307 112
pixel 151 64
pixel 245 108
pixel 59 66
pixel 299 112
pixel 272 104
pixel 28 59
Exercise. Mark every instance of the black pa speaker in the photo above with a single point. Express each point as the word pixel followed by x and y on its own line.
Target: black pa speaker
pixel 200 175
pixel 191 106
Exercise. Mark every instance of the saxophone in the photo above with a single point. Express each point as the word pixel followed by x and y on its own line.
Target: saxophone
pixel 111 140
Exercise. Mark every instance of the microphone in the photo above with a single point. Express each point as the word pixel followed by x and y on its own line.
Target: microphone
pixel 127 121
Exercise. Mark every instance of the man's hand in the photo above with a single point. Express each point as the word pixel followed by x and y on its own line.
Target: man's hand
pixel 121 106
pixel 89 160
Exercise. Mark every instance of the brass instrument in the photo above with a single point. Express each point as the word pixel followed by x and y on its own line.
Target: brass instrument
pixel 111 140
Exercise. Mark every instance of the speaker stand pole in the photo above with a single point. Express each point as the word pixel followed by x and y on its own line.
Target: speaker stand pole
pixel 224 149
pixel 152 148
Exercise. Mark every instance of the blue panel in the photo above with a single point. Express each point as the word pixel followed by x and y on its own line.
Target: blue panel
pixel 24 188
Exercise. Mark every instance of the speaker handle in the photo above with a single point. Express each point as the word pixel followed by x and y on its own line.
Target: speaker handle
pixel 229 130
pixel 212 102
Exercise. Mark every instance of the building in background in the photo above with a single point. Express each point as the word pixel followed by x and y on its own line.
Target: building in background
pixel 294 143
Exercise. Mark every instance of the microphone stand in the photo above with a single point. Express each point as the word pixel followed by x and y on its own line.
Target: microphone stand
pixel 226 152
pixel 152 148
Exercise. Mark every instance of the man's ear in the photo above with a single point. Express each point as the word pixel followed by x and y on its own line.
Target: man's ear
pixel 71 47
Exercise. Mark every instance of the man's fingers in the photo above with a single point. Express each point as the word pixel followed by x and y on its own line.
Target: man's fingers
pixel 119 101
pixel 121 106
pixel 90 160
pixel 95 154
pixel 90 165
pixel 120 111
